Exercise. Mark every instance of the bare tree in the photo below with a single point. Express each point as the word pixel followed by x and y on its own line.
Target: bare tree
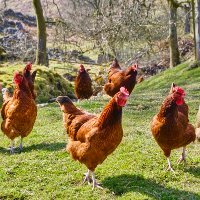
pixel 187 11
pixel 5 3
pixel 197 29
pixel 173 41
pixel 41 54
pixel 111 24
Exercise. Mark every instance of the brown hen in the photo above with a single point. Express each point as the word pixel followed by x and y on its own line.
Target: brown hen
pixel 118 78
pixel 170 127
pixel 19 112
pixel 83 84
pixel 92 138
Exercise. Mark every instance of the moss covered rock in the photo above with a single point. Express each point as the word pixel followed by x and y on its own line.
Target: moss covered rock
pixel 48 84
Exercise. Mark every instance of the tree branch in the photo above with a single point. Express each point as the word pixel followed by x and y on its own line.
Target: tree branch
pixel 57 9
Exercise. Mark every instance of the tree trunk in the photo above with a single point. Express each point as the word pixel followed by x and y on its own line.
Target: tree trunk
pixel 187 8
pixel 41 56
pixel 173 41
pixel 197 29
pixel 194 29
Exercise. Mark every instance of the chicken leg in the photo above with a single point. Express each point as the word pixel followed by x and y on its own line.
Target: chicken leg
pixel 183 156
pixel 12 147
pixel 169 165
pixel 21 146
pixel 93 180
pixel 87 177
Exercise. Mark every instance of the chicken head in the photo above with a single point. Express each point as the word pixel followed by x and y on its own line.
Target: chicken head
pixel 122 96
pixel 178 94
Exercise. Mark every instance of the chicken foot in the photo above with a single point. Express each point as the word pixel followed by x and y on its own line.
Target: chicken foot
pixel 91 180
pixel 183 156
pixel 95 184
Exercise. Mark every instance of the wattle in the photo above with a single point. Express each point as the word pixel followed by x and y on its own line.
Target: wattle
pixel 122 102
pixel 179 101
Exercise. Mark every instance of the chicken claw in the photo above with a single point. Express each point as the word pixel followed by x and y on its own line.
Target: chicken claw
pixel 170 169
pixel 91 180
pixel 95 184
pixel 87 178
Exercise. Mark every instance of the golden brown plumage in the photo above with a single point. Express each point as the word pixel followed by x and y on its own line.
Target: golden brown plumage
pixel 19 112
pixel 93 138
pixel 83 84
pixel 120 78
pixel 170 126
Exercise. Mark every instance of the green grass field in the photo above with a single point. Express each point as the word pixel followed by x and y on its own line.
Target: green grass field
pixel 136 170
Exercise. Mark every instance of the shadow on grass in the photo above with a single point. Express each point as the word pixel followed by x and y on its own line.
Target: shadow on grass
pixel 137 183
pixel 4 150
pixel 195 170
pixel 45 146
pixel 42 146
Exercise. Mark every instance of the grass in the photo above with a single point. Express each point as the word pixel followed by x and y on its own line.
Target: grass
pixel 136 169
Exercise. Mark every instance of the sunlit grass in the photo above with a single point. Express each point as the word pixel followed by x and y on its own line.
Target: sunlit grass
pixel 136 170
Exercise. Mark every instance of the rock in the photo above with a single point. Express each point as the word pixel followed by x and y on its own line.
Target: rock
pixel 2 50
pixel 152 69
pixel 72 97
pixel 26 19
pixel 8 24
pixel 104 58
pixel 69 77
pixel 41 105
pixel 18 44
pixel 85 59
pixel 19 26
pixel 10 31
pixel 9 12
pixel 1 29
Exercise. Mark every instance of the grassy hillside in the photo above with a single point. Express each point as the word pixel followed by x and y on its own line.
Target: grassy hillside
pixel 48 83
pixel 136 170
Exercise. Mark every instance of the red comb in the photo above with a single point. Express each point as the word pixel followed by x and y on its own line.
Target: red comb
pixel 124 91
pixel 135 67
pixel 29 66
pixel 179 90
pixel 82 67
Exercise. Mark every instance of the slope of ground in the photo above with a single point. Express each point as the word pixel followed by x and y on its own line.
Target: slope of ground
pixel 136 170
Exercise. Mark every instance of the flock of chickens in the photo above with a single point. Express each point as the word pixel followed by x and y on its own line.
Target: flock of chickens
pixel 92 138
